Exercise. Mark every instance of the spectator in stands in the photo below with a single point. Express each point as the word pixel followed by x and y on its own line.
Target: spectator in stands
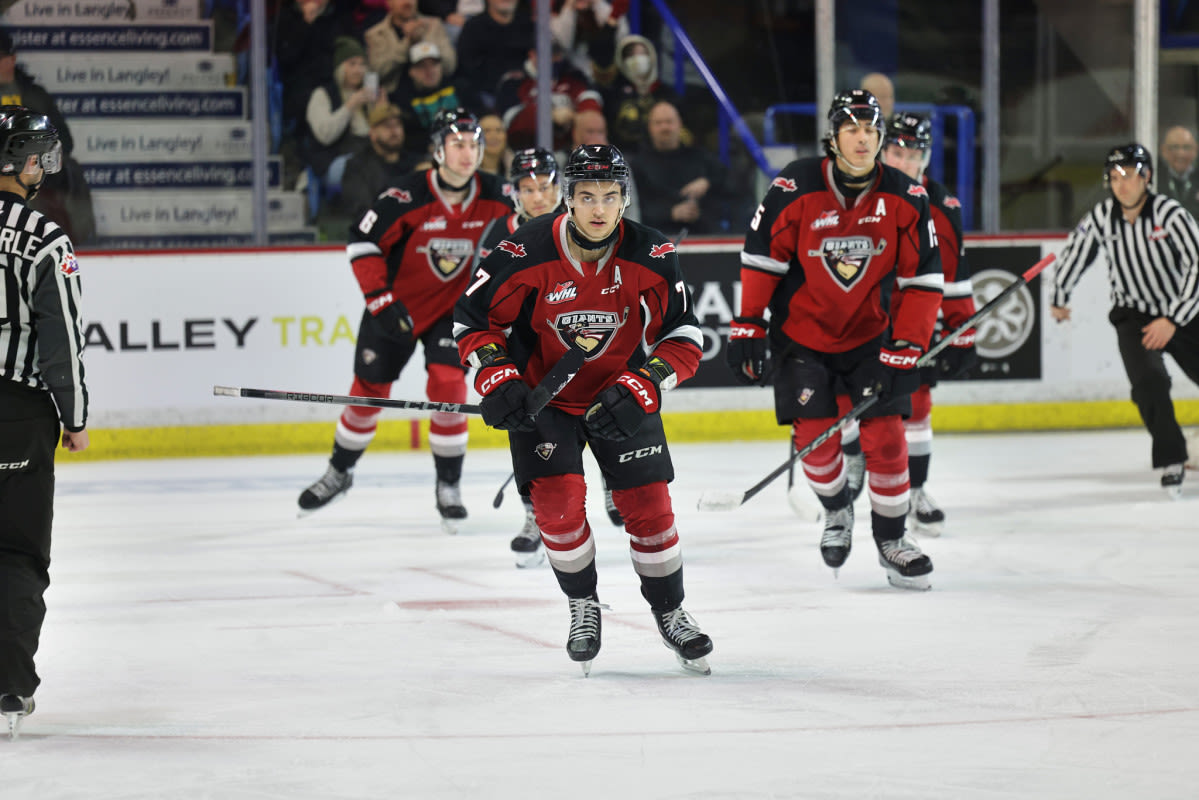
pixel 681 186
pixel 64 196
pixel 490 46
pixel 388 43
pixel 1178 155
pixel 883 90
pixel 423 92
pixel 497 155
pixel 304 36
pixel 337 114
pixel 376 167
pixel 588 30
pixel 571 92
pixel 627 102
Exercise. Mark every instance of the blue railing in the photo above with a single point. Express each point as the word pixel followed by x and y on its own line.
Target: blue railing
pixel 936 166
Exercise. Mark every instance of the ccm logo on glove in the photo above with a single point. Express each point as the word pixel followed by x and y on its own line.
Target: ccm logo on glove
pixel 639 390
pixel 497 377
pixel 903 360
pixel 377 303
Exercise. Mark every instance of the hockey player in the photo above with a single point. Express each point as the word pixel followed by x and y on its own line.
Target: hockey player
pixel 591 280
pixel 1151 245
pixel 411 253
pixel 907 148
pixel 42 391
pixel 843 253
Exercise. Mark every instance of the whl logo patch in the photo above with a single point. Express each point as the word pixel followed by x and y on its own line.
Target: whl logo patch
pixel 562 292
pixel 827 219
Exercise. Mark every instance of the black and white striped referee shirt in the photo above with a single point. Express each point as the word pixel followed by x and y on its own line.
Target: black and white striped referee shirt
pixel 1153 263
pixel 41 332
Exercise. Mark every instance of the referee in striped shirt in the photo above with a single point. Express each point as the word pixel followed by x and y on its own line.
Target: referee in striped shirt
pixel 1152 248
pixel 41 387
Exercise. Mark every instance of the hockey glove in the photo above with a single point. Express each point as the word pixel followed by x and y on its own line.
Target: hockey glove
pixel 390 317
pixel 898 376
pixel 959 358
pixel 504 392
pixel 620 410
pixel 746 351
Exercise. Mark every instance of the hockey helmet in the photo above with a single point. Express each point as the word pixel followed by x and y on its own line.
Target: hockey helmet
pixel 597 162
pixel 1130 156
pixel 911 132
pixel 454 122
pixel 529 163
pixel 855 104
pixel 25 133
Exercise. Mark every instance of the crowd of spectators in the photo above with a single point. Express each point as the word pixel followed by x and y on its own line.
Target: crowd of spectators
pixel 362 80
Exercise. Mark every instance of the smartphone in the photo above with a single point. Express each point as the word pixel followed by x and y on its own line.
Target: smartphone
pixel 370 82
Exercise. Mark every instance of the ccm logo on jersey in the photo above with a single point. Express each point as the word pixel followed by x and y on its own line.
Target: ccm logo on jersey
pixel 786 184
pixel 827 219
pixel 660 250
pixel 15 464
pixel 898 360
pixel 917 191
pixel 512 248
pixel 507 373
pixel 562 292
pixel 401 195
pixel 639 391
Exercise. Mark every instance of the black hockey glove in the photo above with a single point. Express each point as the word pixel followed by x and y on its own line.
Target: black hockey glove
pixel 504 392
pixel 390 317
pixel 959 358
pixel 746 351
pixel 898 375
pixel 621 409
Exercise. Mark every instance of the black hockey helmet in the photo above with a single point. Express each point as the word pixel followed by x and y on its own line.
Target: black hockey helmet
pixel 597 162
pixel 454 122
pixel 913 131
pixel 25 133
pixel 1128 156
pixel 530 162
pixel 856 104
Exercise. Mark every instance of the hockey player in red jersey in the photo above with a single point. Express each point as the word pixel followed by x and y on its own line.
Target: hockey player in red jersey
pixel 907 148
pixel 590 280
pixel 843 253
pixel 411 253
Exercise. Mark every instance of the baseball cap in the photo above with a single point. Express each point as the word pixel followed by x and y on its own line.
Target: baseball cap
pixel 422 50
pixel 383 113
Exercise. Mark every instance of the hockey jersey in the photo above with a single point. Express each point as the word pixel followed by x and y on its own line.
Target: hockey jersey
pixel 957 304
pixel 831 268
pixel 415 244
pixel 531 297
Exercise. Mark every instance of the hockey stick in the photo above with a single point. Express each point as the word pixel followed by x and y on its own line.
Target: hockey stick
pixel 717 500
pixel 344 400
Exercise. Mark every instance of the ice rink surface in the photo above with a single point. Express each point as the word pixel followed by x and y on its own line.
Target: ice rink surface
pixel 202 642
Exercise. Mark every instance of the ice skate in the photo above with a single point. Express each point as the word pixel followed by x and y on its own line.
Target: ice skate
pixel 526 545
pixel 331 486
pixel 583 640
pixel 1172 480
pixel 837 540
pixel 855 474
pixel 613 512
pixel 15 708
pixel 449 505
pixel 683 636
pixel 924 517
pixel 907 567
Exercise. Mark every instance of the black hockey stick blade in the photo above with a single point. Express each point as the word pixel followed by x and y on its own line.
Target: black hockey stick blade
pixel 344 400
pixel 562 373
pixel 499 496
pixel 721 500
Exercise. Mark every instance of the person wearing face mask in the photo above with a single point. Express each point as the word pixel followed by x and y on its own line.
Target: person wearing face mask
pixel 571 92
pixel 633 94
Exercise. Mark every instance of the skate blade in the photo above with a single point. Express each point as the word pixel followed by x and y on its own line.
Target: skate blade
pixel 307 512
pixel 932 530
pixel 14 724
pixel 449 526
pixel 915 583
pixel 799 498
pixel 586 666
pixel 1174 492
pixel 529 560
pixel 697 665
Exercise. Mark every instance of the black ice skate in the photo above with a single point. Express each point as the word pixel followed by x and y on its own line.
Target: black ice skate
pixel 924 517
pixel 837 540
pixel 15 708
pixel 526 545
pixel 855 474
pixel 613 512
pixel 906 566
pixel 449 505
pixel 1172 480
pixel 683 636
pixel 583 640
pixel 331 486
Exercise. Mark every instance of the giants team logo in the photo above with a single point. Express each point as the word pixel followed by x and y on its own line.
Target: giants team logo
pixel 401 195
pixel 847 257
pixel 917 191
pixel 512 249
pixel 827 219
pixel 786 184
pixel 562 292
pixel 660 250
pixel 589 331
pixel 448 256
pixel 545 450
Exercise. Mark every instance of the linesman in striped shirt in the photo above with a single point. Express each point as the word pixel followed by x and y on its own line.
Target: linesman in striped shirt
pixel 1151 244
pixel 41 389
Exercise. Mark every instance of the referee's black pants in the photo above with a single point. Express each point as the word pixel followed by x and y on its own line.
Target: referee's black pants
pixel 1146 370
pixel 28 436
